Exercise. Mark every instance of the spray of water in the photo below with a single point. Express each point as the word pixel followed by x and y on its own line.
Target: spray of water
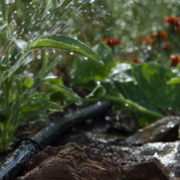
pixel 30 20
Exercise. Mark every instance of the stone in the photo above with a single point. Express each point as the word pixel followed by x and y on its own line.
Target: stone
pixel 167 153
pixel 163 130
pixel 152 169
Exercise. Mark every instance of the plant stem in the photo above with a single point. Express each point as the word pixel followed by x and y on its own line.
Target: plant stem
pixel 128 103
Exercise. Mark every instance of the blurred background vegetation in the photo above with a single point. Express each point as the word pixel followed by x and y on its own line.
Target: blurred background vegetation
pixel 90 21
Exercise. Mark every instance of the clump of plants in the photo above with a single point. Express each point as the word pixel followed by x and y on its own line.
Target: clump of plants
pixel 145 87
pixel 24 98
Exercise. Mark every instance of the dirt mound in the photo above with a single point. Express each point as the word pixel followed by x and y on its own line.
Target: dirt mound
pixel 70 162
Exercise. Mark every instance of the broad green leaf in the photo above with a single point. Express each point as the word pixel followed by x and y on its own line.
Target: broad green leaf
pixel 28 82
pixel 147 85
pixel 174 80
pixel 63 42
pixel 85 70
pixel 64 90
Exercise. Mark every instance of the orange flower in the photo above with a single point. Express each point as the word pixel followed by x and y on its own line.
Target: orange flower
pixel 170 20
pixel 162 34
pixel 175 59
pixel 147 40
pixel 167 46
pixel 112 41
pixel 136 60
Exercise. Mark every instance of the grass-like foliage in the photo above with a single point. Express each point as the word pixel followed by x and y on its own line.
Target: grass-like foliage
pixel 20 100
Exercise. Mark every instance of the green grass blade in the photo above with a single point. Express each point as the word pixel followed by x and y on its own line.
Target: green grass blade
pixel 4 10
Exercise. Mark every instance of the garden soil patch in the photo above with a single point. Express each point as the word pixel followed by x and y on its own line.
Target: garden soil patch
pixel 71 162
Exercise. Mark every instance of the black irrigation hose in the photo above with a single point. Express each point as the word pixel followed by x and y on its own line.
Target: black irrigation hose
pixel 27 139
pixel 14 163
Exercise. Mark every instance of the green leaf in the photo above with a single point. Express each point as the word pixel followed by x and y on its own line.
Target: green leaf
pixel 32 115
pixel 40 101
pixel 16 107
pixel 37 82
pixel 85 71
pixel 52 106
pixel 3 26
pixel 147 85
pixel 52 65
pixel 19 86
pixel 28 82
pixel 4 10
pixel 16 66
pixel 64 90
pixel 44 66
pixel 174 80
pixel 54 81
pixel 63 42
pixel 50 76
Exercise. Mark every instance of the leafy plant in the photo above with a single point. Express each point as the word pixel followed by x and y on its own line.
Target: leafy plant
pixel 144 89
pixel 20 100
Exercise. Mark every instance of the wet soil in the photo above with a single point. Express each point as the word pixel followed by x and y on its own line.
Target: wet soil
pixel 106 134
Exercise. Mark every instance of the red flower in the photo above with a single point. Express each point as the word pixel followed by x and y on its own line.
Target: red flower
pixel 147 40
pixel 170 20
pixel 167 46
pixel 136 60
pixel 175 59
pixel 112 41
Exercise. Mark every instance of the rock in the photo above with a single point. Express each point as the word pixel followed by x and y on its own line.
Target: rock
pixel 167 153
pixel 70 162
pixel 149 170
pixel 164 130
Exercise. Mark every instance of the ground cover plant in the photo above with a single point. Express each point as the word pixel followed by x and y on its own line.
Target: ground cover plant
pixel 21 100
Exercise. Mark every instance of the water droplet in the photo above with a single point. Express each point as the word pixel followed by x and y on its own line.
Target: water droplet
pixel 85 58
pixel 78 103
pixel 101 62
pixel 99 103
pixel 38 56
pixel 126 104
pixel 98 82
pixel 71 53
pixel 91 1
